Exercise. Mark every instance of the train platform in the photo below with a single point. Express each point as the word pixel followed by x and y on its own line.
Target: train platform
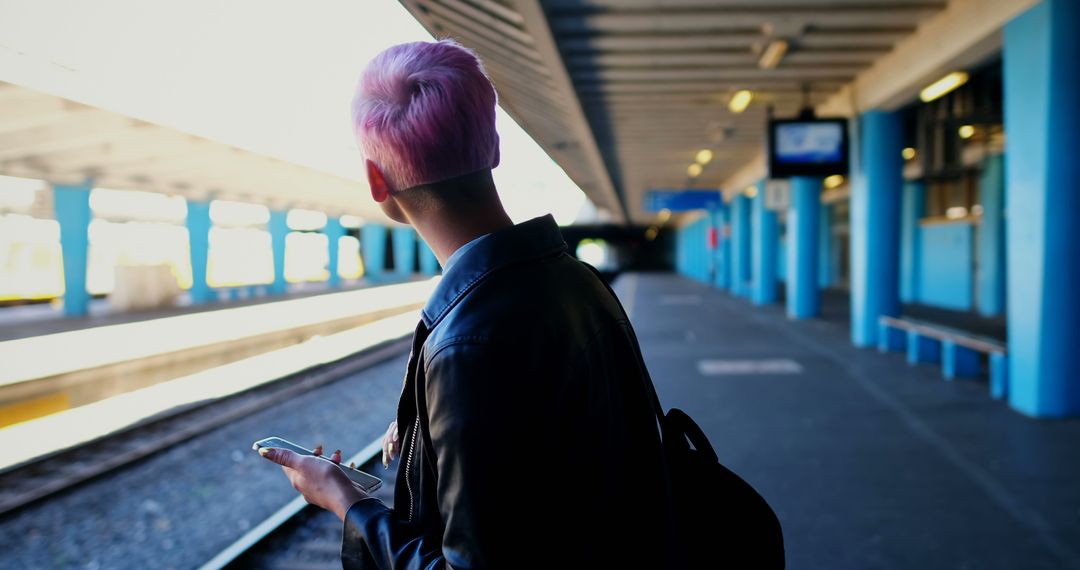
pixel 869 462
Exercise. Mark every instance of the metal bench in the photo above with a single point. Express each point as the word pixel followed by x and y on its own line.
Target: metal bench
pixel 957 350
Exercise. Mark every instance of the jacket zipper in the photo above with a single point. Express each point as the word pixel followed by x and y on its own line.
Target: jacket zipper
pixel 408 465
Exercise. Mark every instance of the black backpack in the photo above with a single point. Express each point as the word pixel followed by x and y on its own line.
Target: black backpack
pixel 723 521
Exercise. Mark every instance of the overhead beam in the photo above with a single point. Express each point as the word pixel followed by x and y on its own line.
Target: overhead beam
pixel 965 33
pixel 693 41
pixel 741 58
pixel 886 18
pixel 564 6
pixel 834 73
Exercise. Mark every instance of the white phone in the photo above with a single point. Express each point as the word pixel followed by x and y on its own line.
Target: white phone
pixel 368 482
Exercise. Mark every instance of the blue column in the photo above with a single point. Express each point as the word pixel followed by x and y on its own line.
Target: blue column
pixel 764 234
pixel 404 251
pixel 429 264
pixel 723 249
pixel 198 227
pixel 913 209
pixel 803 289
pixel 279 229
pixel 334 232
pixel 71 205
pixel 826 276
pixel 740 246
pixel 958 361
pixel 875 221
pixel 373 248
pixel 1042 119
pixel 990 281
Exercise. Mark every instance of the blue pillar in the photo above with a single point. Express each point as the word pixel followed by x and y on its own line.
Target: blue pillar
pixel 373 247
pixel 990 281
pixel 740 246
pixel 429 264
pixel 913 209
pixel 1042 119
pixel 279 229
pixel 723 249
pixel 198 227
pixel 404 251
pixel 71 206
pixel 763 249
pixel 958 361
pixel 826 276
pixel 875 220
pixel 922 348
pixel 803 289
pixel 334 232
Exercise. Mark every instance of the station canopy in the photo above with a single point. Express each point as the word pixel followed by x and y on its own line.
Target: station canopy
pixel 626 93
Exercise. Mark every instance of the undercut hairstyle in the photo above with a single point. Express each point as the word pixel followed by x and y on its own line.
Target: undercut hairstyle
pixel 424 112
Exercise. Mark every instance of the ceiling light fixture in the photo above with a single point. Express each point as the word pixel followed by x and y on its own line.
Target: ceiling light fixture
pixel 943 86
pixel 694 170
pixel 966 131
pixel 704 156
pixel 834 181
pixel 774 52
pixel 740 100
pixel 751 192
pixel 908 153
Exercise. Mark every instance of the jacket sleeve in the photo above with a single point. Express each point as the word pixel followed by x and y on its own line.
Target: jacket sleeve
pixel 468 415
pixel 373 538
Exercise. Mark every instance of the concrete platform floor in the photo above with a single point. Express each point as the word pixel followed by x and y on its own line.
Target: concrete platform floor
pixel 868 462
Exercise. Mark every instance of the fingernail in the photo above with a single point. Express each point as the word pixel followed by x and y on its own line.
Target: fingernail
pixel 263 451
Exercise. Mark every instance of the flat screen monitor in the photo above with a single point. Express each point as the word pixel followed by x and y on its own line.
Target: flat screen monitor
pixel 807 147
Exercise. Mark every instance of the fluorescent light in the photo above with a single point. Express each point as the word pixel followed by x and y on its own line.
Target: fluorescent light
pixel 751 191
pixel 774 52
pixel 665 215
pixel 834 181
pixel 943 86
pixel 908 153
pixel 704 156
pixel 740 100
pixel 694 170
pixel 967 131
pixel 956 212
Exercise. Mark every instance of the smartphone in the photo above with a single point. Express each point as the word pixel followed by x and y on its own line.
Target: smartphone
pixel 368 482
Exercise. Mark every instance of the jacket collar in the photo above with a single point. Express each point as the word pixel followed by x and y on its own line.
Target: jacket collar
pixel 536 238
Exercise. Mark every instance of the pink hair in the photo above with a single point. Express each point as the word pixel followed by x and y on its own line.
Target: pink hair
pixel 425 112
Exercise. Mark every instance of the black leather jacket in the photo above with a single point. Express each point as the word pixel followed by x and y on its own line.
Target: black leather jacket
pixel 528 439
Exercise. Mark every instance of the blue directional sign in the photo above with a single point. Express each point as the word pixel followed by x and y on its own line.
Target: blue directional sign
pixel 682 200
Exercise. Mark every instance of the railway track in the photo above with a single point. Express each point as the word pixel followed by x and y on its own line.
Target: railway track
pixel 299 536
pixel 26 483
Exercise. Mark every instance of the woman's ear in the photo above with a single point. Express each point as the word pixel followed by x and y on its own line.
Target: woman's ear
pixel 380 190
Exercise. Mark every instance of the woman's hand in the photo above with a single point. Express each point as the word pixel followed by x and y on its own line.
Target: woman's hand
pixel 321 482
pixel 391 445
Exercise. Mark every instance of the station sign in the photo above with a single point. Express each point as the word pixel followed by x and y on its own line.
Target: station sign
pixel 682 200
pixel 777 195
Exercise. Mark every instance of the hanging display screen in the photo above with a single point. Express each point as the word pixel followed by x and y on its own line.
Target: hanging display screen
pixel 807 147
